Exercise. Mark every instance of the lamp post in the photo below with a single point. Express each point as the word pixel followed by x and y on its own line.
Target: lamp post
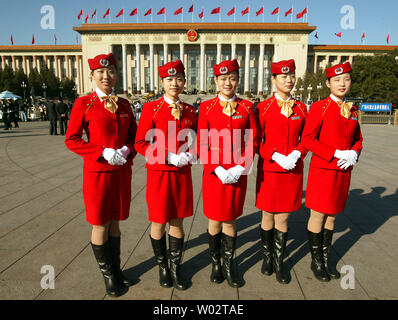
pixel 23 85
pixel 319 87
pixel 75 91
pixel 301 93
pixel 44 87
pixel 309 93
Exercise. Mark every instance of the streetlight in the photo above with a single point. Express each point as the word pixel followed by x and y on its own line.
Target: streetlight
pixel 301 92
pixel 396 59
pixel 75 91
pixel 319 87
pixel 309 93
pixel 23 85
pixel 44 87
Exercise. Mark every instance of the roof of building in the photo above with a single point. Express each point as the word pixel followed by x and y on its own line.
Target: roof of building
pixel 41 48
pixel 351 48
pixel 238 26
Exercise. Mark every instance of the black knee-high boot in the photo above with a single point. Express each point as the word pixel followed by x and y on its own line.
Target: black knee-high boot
pixel 102 254
pixel 228 245
pixel 114 243
pixel 317 265
pixel 215 255
pixel 280 239
pixel 267 241
pixel 326 246
pixel 160 251
pixel 175 250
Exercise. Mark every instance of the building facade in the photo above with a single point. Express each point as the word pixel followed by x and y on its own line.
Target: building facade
pixel 141 48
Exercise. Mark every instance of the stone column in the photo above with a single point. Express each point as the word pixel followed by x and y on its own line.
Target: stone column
pixel 247 68
pixel 233 51
pixel 3 62
pixel 151 82
pixel 138 66
pixel 202 67
pixel 79 75
pixel 69 66
pixel 165 53
pixel 261 71
pixel 124 68
pixel 218 60
pixel 182 52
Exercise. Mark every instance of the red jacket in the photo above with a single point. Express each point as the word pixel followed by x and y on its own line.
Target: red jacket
pixel 236 151
pixel 326 131
pixel 157 115
pixel 280 134
pixel 103 129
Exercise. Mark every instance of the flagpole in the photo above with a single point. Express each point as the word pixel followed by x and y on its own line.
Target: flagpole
pixel 263 14
pixel 248 15
pixel 234 13
pixel 123 15
pixel 278 16
pixel 203 14
pixel 291 17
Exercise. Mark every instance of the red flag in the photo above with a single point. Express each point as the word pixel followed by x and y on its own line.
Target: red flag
pixel 338 34
pixel 85 20
pixel 80 14
pixel 200 15
pixel 215 11
pixel 363 36
pixel 246 11
pixel 232 11
pixel 190 9
pixel 77 39
pixel 276 10
pixel 261 11
pixel 33 39
pixel 148 12
pixel 12 40
pixel 94 13
pixel 55 39
pixel 302 13
pixel 290 11
pixel 388 38
pixel 134 12
pixel 178 11
pixel 107 12
pixel 120 13
pixel 162 11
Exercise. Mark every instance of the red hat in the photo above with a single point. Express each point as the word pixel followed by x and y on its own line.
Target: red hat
pixel 225 67
pixel 338 69
pixel 101 61
pixel 171 68
pixel 284 66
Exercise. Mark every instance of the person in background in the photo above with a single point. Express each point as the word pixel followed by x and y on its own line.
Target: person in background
pixel 52 116
pixel 62 114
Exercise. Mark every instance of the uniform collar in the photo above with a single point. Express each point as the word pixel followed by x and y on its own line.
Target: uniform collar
pixel 223 99
pixel 169 101
pixel 278 97
pixel 335 99
pixel 102 94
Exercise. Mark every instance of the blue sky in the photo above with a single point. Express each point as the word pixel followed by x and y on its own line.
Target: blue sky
pixel 23 18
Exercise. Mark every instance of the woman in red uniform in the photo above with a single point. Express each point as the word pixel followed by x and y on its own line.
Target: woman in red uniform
pixel 108 156
pixel 333 135
pixel 226 120
pixel 168 122
pixel 279 186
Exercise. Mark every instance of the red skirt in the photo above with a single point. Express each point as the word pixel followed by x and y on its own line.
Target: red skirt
pixel 223 202
pixel 107 195
pixel 327 190
pixel 279 191
pixel 169 194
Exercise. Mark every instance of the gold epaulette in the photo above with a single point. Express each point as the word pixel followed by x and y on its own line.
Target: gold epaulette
pixel 212 104
pixel 268 104
pixel 92 100
pixel 157 108
pixel 325 107
pixel 243 104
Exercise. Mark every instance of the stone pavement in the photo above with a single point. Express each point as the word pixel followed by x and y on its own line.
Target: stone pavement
pixel 42 222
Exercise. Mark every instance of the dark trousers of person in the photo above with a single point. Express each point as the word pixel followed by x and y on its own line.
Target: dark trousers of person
pixel 63 122
pixel 53 127
pixel 7 122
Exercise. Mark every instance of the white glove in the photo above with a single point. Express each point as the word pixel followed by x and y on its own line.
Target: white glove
pixel 113 157
pixel 224 175
pixel 285 162
pixel 295 154
pixel 343 155
pixel 236 172
pixel 343 164
pixel 352 159
pixel 187 156
pixel 176 160
pixel 124 151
